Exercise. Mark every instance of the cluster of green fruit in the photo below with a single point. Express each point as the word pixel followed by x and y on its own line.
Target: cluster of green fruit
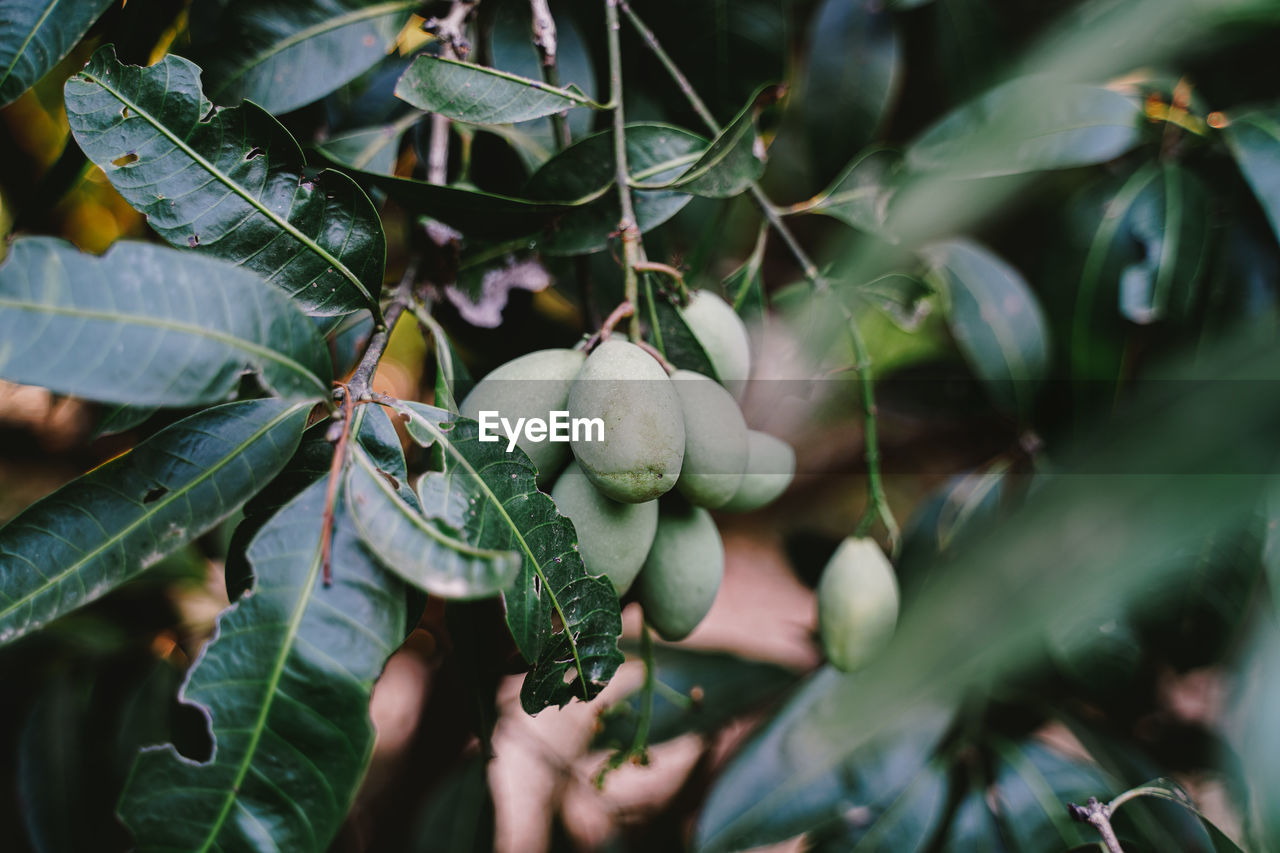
pixel 680 437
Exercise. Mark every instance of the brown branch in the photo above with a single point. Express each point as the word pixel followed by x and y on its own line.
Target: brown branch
pixel 1099 816
pixel 450 30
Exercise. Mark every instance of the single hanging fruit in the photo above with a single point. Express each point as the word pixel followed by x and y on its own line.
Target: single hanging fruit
pixel 682 574
pixel 857 603
pixel 715 440
pixel 642 450
pixel 613 537
pixel 531 386
pixel 723 337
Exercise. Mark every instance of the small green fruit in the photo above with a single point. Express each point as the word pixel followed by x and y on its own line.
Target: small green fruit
pixel 531 386
pixel 613 537
pixel 643 447
pixel 723 337
pixel 715 440
pixel 857 603
pixel 682 572
pixel 771 464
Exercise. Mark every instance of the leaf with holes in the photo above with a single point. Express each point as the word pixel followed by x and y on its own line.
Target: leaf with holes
pixel 473 93
pixel 565 621
pixel 150 326
pixel 227 182
pixel 36 35
pixel 285 685
pixel 269 52
pixel 102 529
pixel 995 319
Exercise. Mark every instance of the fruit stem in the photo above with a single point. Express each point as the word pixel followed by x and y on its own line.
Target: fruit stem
pixel 670 272
pixel 878 504
pixel 632 253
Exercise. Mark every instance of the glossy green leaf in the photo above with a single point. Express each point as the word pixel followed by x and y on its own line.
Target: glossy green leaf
pixel 36 35
pixel 1026 125
pixel 995 320
pixel 671 334
pixel 727 687
pixel 122 418
pixel 904 299
pixel 1168 791
pixel 1032 787
pixel 285 684
pixel 424 553
pixel 227 182
pixel 742 811
pixel 1171 221
pixel 731 163
pixel 473 93
pixel 1079 546
pixel 284 54
pixel 491 497
pixel 860 195
pixel 102 529
pixel 1254 139
pixel 584 171
pixel 149 326
pixel 745 285
pixel 852 77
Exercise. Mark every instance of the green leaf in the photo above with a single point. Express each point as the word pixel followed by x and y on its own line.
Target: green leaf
pixel 1258 739
pixel 1168 791
pixel 742 811
pixel 36 35
pixel 284 54
pixel 902 298
pixel 1080 546
pixel 1033 785
pixel 995 320
pixel 492 497
pixel 584 172
pixel 732 162
pixel 973 827
pixel 367 149
pixel 473 93
pixel 419 551
pixel 905 824
pixel 285 685
pixel 727 686
pixel 852 77
pixel 745 285
pixel 459 814
pixel 1171 220
pixel 102 529
pixel 1254 139
pixel 149 326
pixel 1029 124
pixel 228 182
pixel 860 195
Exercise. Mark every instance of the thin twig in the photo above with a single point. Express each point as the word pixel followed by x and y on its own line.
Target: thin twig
pixel 617 315
pixel 627 228
pixel 878 505
pixel 657 356
pixel 360 385
pixel 670 272
pixel 544 39
pixel 1099 816
pixel 453 45
pixel 331 490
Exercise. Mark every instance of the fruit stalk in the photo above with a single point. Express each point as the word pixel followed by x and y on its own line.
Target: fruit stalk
pixel 627 227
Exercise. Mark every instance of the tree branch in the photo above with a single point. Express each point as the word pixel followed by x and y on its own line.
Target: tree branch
pixel 627 227
pixel 454 45
pixel 1099 816
pixel 544 39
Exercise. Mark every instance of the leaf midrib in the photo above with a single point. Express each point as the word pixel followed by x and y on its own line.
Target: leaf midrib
pixel 156 507
pixel 285 225
pixel 524 546
pixel 22 49
pixel 173 326
pixel 314 31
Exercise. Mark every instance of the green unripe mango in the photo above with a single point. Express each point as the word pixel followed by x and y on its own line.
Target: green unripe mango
pixel 715 440
pixel 857 603
pixel 682 572
pixel 643 447
pixel 771 465
pixel 613 537
pixel 531 386
pixel 723 337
